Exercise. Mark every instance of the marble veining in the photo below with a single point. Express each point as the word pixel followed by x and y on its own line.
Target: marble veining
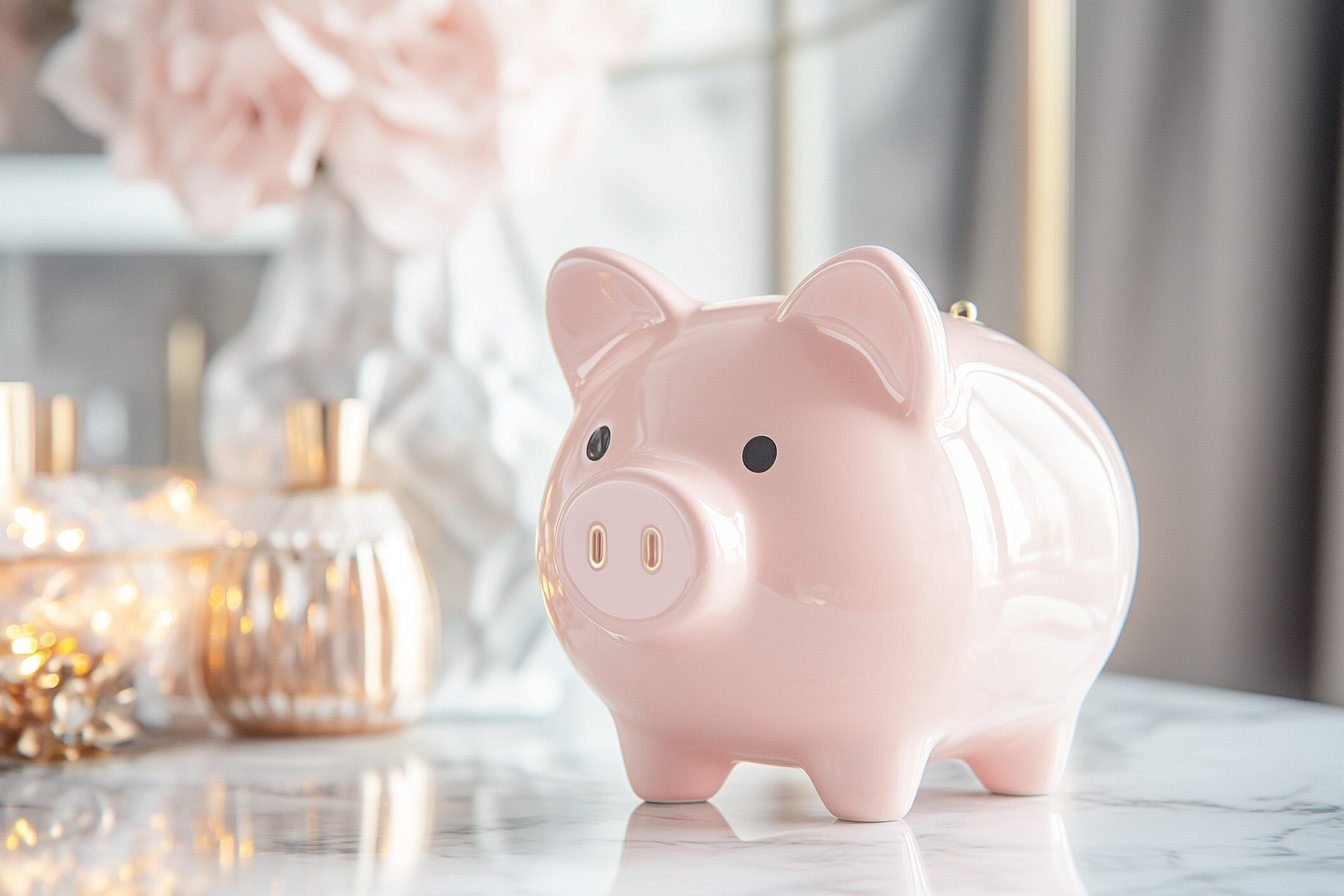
pixel 1171 789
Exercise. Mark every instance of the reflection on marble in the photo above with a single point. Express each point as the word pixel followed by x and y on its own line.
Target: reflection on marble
pixel 1171 789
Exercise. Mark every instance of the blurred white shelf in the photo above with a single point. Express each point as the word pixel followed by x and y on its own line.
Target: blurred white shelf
pixel 74 204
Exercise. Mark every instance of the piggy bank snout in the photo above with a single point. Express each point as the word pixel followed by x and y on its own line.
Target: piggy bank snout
pixel 628 547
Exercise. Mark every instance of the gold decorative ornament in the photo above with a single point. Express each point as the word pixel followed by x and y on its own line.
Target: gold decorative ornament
pixel 59 702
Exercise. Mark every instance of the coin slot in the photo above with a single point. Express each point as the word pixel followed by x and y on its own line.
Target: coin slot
pixel 597 546
pixel 652 549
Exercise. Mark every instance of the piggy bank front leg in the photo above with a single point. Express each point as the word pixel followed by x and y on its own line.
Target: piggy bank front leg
pixel 872 780
pixel 662 769
pixel 1025 760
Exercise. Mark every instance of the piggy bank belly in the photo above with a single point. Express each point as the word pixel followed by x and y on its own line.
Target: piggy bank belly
pixel 777 680
pixel 1054 535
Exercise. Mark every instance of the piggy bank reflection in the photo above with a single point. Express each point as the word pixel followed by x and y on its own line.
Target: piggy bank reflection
pixel 838 530
pixel 966 844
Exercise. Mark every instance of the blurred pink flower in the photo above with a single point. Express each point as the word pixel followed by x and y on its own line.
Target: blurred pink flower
pixel 414 142
pixel 194 93
pixel 421 109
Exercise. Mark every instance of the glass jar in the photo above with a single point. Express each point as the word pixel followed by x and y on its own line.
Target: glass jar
pixel 320 618
pixel 95 580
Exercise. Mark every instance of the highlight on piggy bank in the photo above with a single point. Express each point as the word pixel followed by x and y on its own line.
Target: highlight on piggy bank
pixel 838 530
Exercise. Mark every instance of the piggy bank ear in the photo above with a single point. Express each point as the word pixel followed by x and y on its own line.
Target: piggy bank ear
pixel 595 298
pixel 874 302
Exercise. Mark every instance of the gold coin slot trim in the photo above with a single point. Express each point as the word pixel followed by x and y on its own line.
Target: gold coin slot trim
pixel 651 544
pixel 597 546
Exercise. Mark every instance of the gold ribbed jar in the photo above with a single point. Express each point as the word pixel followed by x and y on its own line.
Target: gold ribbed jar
pixel 320 618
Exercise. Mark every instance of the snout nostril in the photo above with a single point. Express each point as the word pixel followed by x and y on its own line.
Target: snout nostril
pixel 651 547
pixel 597 546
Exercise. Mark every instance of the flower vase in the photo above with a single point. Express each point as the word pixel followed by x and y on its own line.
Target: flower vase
pixel 339 316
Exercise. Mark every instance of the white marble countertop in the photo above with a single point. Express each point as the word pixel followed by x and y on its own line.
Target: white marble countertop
pixel 1171 789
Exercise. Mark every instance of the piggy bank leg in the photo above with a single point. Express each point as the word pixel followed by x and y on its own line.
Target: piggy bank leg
pixel 1023 761
pixel 870 781
pixel 662 770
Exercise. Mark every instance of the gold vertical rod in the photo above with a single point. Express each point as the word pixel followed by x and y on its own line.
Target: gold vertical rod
pixel 18 427
pixel 1047 245
pixel 306 444
pixel 186 364
pixel 347 436
pixel 56 428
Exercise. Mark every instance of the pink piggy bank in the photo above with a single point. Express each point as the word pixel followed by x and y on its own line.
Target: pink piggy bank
pixel 840 531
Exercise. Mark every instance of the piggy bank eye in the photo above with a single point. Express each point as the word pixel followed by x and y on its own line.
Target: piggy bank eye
pixel 759 454
pixel 598 443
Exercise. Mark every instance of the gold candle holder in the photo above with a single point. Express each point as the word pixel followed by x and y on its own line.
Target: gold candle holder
pixel 320 618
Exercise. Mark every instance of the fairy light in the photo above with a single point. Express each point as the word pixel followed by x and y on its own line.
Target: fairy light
pixel 36 535
pixel 100 621
pixel 182 497
pixel 70 539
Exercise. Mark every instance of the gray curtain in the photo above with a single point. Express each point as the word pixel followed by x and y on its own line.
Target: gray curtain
pixel 1328 668
pixel 1206 167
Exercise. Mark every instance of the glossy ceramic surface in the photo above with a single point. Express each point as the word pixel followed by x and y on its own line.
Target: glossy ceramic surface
pixel 936 564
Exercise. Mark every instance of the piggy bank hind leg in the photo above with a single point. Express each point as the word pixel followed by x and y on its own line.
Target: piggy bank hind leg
pixel 1024 760
pixel 873 780
pixel 664 770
